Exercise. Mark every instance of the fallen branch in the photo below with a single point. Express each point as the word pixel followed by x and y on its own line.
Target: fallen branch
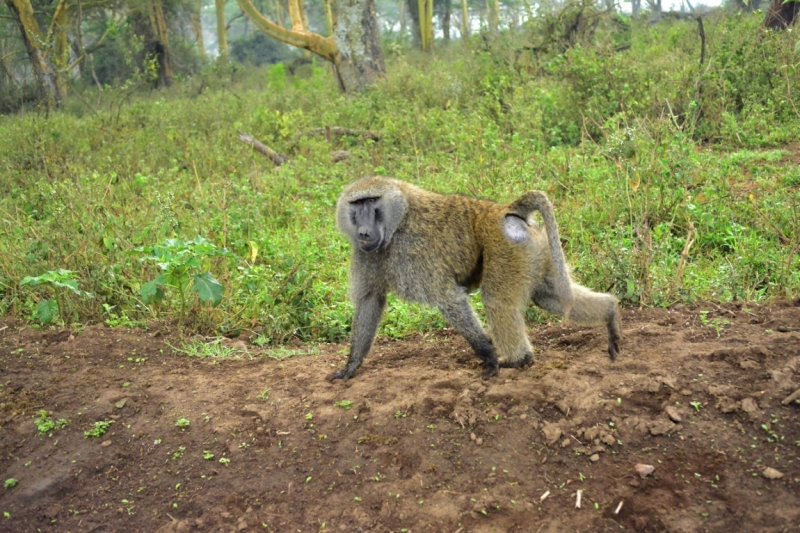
pixel 329 131
pixel 276 158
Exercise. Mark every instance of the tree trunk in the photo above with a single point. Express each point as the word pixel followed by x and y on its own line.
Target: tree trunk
pixel 46 79
pixel 60 61
pixel 636 5
pixel 222 35
pixel 425 10
pixel 464 20
pixel 401 11
pixel 495 16
pixel 159 47
pixel 413 11
pixel 197 25
pixel 781 15
pixel 329 17
pixel 359 61
pixel 446 20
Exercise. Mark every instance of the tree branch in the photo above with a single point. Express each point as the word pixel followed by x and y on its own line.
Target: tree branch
pixel 325 47
pixel 276 158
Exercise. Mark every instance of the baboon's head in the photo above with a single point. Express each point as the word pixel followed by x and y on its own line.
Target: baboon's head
pixel 369 211
pixel 367 217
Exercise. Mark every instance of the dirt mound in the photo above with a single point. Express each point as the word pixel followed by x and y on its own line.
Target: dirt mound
pixel 415 441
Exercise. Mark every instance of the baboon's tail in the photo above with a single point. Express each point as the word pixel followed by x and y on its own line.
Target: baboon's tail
pixel 523 207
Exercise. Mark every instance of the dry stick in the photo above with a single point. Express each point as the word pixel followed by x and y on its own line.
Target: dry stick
pixel 685 253
pixel 619 506
pixel 543 496
pixel 276 158
pixel 578 499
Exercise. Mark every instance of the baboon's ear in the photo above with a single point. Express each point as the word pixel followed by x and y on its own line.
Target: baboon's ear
pixel 515 229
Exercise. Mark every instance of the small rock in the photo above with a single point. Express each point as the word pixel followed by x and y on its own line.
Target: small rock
pixel 644 470
pixel 523 416
pixel 225 514
pixel 120 404
pixel 115 417
pixel 727 405
pixel 473 436
pixel 749 405
pixel 608 440
pixel 479 441
pixel 662 427
pixel 594 458
pixel 748 364
pixel 634 483
pixel 551 433
pixel 673 414
pixel 565 443
pixel 106 443
pixel 771 473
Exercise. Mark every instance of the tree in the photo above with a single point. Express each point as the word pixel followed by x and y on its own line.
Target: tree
pixel 425 12
pixel 222 36
pixel 354 49
pixel 781 14
pixel 196 17
pixel 50 86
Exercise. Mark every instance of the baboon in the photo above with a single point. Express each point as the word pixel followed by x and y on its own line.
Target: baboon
pixel 432 249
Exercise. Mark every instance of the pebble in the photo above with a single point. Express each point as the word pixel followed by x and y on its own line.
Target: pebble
pixel 749 405
pixel 473 436
pixel 673 414
pixel 106 444
pixel 479 441
pixel 594 458
pixel 565 443
pixel 644 470
pixel 771 473
pixel 523 416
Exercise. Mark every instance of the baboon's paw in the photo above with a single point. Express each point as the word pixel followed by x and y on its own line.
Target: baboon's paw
pixel 489 371
pixel 342 374
pixel 520 363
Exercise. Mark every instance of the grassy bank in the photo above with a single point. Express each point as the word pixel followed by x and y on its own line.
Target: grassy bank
pixel 673 181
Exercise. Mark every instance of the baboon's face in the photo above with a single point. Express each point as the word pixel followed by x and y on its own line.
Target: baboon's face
pixel 367 216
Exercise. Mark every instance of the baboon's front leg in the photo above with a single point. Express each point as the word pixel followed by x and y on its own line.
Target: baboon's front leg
pixel 459 313
pixel 369 310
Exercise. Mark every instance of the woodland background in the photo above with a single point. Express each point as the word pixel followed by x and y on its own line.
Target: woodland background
pixel 666 135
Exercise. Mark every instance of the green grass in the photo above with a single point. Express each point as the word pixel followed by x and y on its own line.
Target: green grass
pixel 671 181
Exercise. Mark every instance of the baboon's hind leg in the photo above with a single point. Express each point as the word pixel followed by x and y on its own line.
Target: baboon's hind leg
pixel 588 307
pixel 507 328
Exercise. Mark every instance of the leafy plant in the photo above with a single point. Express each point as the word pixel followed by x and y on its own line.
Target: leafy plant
pixel 201 348
pixel 99 429
pixel 718 324
pixel 344 404
pixel 10 483
pixel 181 265
pixel 182 423
pixel 45 424
pixel 59 281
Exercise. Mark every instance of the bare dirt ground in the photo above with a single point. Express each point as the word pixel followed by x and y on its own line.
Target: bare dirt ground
pixel 416 441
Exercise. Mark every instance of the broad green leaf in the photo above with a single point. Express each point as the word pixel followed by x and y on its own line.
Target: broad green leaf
pixel 46 311
pixel 33 282
pixel 207 288
pixel 152 291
